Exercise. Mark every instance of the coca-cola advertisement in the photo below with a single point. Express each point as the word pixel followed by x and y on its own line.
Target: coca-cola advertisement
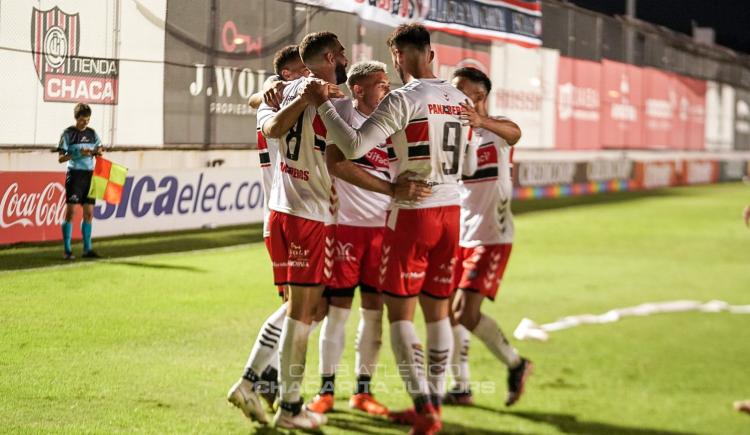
pixel 578 104
pixel 33 207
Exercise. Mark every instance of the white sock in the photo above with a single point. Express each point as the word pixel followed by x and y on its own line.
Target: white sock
pixel 369 340
pixel 266 346
pixel 292 356
pixel 489 332
pixel 460 357
pixel 439 347
pixel 409 358
pixel 332 339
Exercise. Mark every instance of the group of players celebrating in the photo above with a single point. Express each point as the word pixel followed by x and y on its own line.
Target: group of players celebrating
pixel 404 194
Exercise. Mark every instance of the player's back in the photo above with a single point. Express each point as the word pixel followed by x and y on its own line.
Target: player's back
pixel 433 142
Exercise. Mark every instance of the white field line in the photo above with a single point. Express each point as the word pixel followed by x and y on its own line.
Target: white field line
pixel 81 262
pixel 528 329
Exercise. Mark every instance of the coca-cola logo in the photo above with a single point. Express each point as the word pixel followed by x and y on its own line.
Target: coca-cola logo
pixel 32 209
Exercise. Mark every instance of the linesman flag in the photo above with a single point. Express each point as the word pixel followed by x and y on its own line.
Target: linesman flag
pixel 107 181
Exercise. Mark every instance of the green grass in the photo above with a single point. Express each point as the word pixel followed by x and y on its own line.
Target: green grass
pixel 150 343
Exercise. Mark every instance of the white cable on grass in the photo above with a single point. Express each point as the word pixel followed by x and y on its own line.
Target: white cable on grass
pixel 528 329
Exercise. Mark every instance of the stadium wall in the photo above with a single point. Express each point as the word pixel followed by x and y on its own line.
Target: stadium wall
pixel 168 82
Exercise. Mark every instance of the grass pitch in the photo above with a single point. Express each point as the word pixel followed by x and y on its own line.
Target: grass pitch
pixel 150 339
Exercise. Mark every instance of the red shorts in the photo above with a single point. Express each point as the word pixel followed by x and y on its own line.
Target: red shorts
pixel 301 250
pixel 267 242
pixel 419 252
pixel 480 269
pixel 357 257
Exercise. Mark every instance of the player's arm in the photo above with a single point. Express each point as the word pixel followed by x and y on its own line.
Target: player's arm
pixel 277 125
pixel 402 189
pixel 505 128
pixel 388 118
pixel 271 94
pixel 99 148
pixel 63 151
pixel 470 158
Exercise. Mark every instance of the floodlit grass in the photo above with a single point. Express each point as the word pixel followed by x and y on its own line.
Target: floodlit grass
pixel 151 338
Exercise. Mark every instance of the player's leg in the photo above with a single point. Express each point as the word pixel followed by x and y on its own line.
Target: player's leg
pixel 86 229
pixel 368 343
pixel 460 393
pixel 409 236
pixel 331 345
pixel 304 269
pixel 67 231
pixel 435 301
pixel 72 198
pixel 485 283
pixel 302 307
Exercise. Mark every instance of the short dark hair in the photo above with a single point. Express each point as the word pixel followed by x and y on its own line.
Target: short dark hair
pixel 415 35
pixel 315 44
pixel 81 109
pixel 475 75
pixel 285 55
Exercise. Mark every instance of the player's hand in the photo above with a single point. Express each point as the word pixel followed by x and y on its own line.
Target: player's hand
pixel 334 91
pixel 99 150
pixel 470 116
pixel 746 215
pixel 410 188
pixel 86 152
pixel 275 95
pixel 315 92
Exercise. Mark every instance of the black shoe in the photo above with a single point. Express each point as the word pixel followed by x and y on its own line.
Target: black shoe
pixel 91 254
pixel 69 256
pixel 517 379
pixel 458 397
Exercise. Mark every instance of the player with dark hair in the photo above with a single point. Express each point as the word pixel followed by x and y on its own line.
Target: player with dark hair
pixel 261 370
pixel 78 146
pixel 422 120
pixel 486 241
pixel 287 67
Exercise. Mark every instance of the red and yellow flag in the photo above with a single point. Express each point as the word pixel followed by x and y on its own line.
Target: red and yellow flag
pixel 107 181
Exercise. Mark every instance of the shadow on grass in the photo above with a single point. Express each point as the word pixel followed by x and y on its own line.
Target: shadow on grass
pixel 156 265
pixel 534 205
pixel 356 422
pixel 27 256
pixel 569 423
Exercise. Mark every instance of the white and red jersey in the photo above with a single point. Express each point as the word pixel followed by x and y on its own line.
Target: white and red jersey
pixel 422 121
pixel 268 156
pixel 301 184
pixel 360 207
pixel 486 195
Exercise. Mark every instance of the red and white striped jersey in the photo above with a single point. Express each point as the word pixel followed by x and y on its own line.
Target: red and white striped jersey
pixel 486 218
pixel 301 184
pixel 422 121
pixel 267 154
pixel 359 207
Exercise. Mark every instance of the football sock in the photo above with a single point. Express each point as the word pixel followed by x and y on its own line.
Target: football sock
pixel 460 358
pixel 368 342
pixel 439 347
pixel 332 340
pixel 410 360
pixel 292 356
pixel 86 232
pixel 266 347
pixel 489 332
pixel 67 232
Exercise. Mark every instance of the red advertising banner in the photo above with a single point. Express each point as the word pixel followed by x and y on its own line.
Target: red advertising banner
pixel 578 104
pixel 33 207
pixel 674 111
pixel 449 58
pixel 622 105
